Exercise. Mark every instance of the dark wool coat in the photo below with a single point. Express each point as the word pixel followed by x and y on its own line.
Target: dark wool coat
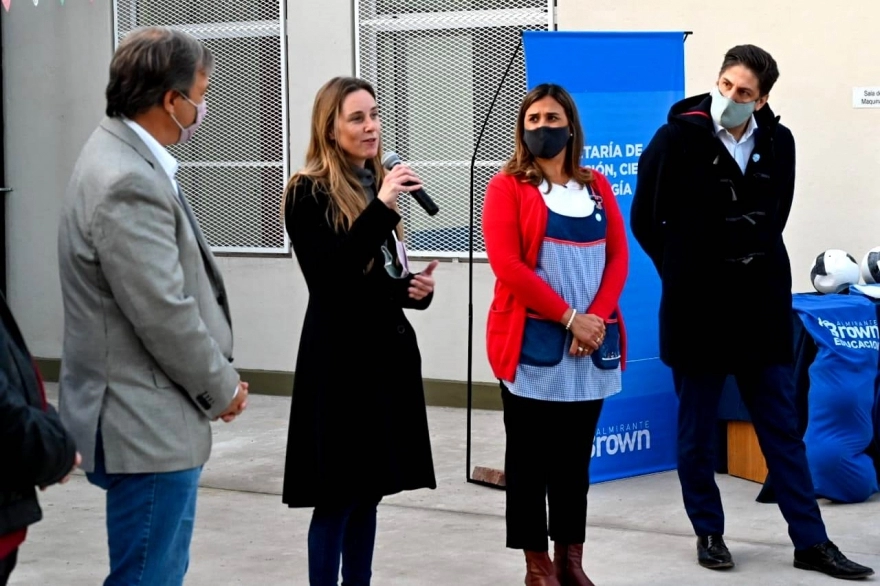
pixel 715 236
pixel 358 423
pixel 35 449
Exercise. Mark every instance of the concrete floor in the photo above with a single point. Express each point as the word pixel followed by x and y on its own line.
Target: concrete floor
pixel 638 532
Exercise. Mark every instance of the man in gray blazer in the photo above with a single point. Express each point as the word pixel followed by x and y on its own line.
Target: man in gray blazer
pixel 147 352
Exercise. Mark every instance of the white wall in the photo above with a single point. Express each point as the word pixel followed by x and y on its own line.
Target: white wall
pixel 823 52
pixel 55 61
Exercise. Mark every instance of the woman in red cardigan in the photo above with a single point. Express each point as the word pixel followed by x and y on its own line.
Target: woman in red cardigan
pixel 556 243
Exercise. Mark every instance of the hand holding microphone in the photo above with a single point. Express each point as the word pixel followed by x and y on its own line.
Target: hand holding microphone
pixel 397 180
pixel 402 178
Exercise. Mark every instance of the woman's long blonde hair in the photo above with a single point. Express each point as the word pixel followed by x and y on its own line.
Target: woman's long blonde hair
pixel 327 164
pixel 523 164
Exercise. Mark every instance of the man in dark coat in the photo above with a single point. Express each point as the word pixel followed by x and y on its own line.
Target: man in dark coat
pixel 715 188
pixel 35 450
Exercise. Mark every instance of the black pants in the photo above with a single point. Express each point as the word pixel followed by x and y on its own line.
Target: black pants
pixel 769 395
pixel 547 460
pixel 7 564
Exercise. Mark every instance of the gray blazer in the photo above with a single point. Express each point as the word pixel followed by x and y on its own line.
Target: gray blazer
pixel 147 337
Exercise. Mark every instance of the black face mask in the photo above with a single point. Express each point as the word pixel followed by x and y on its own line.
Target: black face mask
pixel 546 142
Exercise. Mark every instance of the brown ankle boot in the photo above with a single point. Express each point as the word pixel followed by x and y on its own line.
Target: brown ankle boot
pixel 539 569
pixel 568 562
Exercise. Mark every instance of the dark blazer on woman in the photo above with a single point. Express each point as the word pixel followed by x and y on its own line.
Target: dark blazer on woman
pixel 358 423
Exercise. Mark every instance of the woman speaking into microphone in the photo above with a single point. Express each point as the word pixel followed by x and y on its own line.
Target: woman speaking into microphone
pixel 358 424
pixel 556 243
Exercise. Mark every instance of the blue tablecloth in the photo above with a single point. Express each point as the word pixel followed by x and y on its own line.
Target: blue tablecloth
pixel 733 409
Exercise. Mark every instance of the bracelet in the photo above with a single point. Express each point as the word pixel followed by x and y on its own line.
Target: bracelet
pixel 571 319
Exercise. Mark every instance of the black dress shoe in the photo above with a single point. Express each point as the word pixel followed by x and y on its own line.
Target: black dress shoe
pixel 712 553
pixel 826 558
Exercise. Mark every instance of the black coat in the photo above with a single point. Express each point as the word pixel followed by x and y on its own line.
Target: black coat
pixel 726 278
pixel 358 423
pixel 35 450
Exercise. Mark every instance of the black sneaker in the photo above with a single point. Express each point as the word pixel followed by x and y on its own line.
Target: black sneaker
pixel 826 558
pixel 712 553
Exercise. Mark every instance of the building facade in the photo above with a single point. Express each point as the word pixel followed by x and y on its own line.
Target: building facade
pixel 437 65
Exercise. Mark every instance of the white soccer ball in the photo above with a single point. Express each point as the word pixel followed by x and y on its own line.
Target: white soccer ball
pixel 833 271
pixel 871 266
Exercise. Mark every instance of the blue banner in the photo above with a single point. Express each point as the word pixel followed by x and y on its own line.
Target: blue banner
pixel 624 85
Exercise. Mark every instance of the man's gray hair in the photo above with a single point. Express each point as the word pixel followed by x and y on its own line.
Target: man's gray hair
pixel 149 62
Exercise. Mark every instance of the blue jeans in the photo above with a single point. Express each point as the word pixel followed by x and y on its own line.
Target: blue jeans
pixel 346 532
pixel 150 521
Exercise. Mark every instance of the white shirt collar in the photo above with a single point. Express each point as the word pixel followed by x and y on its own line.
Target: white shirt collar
pixel 168 162
pixel 750 130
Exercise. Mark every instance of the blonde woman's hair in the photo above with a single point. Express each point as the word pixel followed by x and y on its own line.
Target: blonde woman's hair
pixel 327 164
pixel 523 164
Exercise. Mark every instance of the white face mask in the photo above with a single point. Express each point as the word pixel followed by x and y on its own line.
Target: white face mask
pixel 187 132
pixel 727 113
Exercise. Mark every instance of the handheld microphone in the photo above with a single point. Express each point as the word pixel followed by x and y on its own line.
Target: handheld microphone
pixel 391 160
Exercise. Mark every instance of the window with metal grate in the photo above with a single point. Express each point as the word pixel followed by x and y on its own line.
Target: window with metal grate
pixel 234 170
pixel 436 65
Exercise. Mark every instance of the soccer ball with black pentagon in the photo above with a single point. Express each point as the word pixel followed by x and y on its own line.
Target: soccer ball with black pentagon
pixel 833 271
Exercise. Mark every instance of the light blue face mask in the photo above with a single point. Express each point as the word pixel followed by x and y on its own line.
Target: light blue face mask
pixel 392 268
pixel 727 113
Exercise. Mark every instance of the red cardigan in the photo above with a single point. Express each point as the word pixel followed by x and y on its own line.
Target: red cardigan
pixel 514 223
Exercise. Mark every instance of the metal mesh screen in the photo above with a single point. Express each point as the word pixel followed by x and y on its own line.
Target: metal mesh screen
pixel 233 170
pixel 436 65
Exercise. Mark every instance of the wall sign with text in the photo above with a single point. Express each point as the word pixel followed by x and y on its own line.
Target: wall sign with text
pixel 866 97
